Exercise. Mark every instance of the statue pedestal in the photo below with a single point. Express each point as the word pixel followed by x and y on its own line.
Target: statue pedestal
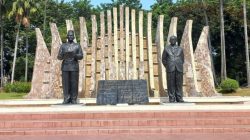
pixel 68 105
pixel 178 104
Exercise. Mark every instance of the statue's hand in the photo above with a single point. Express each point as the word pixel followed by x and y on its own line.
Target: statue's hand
pixel 68 55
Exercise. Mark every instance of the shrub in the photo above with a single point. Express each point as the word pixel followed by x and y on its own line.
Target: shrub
pixel 18 87
pixel 229 85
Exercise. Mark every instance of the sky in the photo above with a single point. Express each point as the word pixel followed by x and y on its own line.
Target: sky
pixel 145 3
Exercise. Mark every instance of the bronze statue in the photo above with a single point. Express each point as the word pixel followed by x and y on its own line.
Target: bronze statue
pixel 70 53
pixel 173 59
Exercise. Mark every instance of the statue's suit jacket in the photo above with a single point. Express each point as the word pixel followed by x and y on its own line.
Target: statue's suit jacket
pixel 70 63
pixel 173 59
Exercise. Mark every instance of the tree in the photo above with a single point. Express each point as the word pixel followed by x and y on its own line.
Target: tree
pixel 223 51
pixel 21 9
pixel 45 16
pixel 3 5
pixel 204 8
pixel 82 7
pixel 133 4
pixel 20 62
pixel 164 1
pixel 246 43
pixel 1 40
pixel 162 7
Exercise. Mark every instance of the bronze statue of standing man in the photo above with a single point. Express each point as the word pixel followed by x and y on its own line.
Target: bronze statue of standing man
pixel 173 60
pixel 70 53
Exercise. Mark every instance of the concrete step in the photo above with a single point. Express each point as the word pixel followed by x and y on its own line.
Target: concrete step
pixel 124 114
pixel 125 122
pixel 126 130
pixel 86 123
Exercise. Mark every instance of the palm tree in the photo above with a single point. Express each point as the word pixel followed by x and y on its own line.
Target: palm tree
pixel 223 52
pixel 21 9
pixel 246 43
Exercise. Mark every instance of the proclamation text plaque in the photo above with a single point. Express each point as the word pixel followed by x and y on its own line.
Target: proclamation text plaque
pixel 122 91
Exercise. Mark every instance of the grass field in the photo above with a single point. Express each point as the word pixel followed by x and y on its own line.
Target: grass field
pixel 4 96
pixel 239 92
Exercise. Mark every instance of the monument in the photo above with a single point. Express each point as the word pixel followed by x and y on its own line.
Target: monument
pixel 122 53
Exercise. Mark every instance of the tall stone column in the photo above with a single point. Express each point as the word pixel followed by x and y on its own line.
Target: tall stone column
pixel 40 84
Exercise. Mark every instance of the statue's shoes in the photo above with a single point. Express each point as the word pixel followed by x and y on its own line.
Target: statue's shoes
pixel 66 102
pixel 180 101
pixel 73 102
pixel 171 101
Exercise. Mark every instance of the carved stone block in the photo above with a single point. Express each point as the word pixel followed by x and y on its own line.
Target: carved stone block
pixel 122 91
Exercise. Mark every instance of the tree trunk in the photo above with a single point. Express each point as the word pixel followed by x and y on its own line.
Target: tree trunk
pixel 1 42
pixel 26 59
pixel 209 43
pixel 223 53
pixel 44 18
pixel 15 53
pixel 246 43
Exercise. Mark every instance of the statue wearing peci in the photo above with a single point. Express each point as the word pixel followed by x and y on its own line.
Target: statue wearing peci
pixel 70 53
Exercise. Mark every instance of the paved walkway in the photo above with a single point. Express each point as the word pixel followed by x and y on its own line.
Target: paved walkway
pixel 192 103
pixel 73 108
pixel 217 99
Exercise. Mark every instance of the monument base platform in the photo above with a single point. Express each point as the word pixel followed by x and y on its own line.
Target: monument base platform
pixel 216 100
pixel 126 119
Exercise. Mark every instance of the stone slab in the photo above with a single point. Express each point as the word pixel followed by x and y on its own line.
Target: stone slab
pixel 122 91
pixel 68 105
pixel 178 104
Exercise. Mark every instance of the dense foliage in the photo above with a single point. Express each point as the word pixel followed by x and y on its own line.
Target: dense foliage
pixel 18 87
pixel 229 85
pixel 59 10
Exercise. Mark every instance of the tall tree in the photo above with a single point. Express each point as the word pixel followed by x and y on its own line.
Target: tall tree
pixel 246 43
pixel 44 17
pixel 82 8
pixel 1 39
pixel 21 9
pixel 223 46
pixel 133 4
pixel 204 8
pixel 164 1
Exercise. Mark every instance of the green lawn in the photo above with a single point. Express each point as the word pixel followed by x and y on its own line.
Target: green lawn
pixel 4 96
pixel 239 92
